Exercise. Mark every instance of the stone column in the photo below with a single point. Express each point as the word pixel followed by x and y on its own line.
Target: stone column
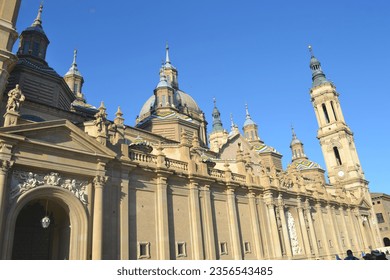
pixel 196 227
pixel 163 250
pixel 303 229
pixel 284 227
pixel 311 229
pixel 273 225
pixel 346 231
pixel 323 229
pixel 359 241
pixel 208 224
pixel 361 228
pixel 97 234
pixel 124 215
pixel 234 227
pixel 375 230
pixel 5 166
pixel 255 225
pixel 334 229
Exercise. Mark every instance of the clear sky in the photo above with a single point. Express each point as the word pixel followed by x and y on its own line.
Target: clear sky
pixel 247 51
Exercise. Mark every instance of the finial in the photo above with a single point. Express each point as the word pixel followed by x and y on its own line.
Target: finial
pixel 311 50
pixel 215 102
pixel 231 119
pixel 38 20
pixel 294 136
pixel 167 60
pixel 119 112
pixel 102 105
pixel 74 56
pixel 247 111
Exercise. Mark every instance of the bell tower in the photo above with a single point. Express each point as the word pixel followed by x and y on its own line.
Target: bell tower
pixel 336 138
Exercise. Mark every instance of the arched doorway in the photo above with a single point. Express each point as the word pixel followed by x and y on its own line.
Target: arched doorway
pixel 32 241
pixel 386 241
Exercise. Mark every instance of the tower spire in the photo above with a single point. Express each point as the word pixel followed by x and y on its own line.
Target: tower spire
pixel 38 20
pixel 217 123
pixel 73 68
pixel 296 147
pixel 318 75
pixel 167 60
pixel 248 119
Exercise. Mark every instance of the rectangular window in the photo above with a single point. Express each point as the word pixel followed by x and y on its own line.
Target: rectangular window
pixel 379 217
pixel 143 250
pixel 223 248
pixel 319 244
pixel 75 88
pixel 181 249
pixel 247 247
pixel 330 243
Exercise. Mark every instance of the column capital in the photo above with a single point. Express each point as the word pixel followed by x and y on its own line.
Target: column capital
pixel 5 165
pixel 99 180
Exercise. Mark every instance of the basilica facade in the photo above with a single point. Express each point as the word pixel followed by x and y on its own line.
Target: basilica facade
pixel 76 185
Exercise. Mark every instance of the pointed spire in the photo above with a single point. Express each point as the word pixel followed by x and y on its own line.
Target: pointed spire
pixel 74 57
pixel 217 123
pixel 248 119
pixel 38 20
pixel 233 126
pixel 294 136
pixel 231 120
pixel 296 146
pixel 318 76
pixel 167 60
pixel 119 120
pixel 73 70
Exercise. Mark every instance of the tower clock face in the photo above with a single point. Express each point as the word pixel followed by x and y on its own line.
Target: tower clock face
pixel 340 173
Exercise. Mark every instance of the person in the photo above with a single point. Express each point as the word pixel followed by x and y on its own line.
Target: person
pixel 350 256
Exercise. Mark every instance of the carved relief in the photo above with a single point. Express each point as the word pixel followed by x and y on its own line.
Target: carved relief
pixel 296 249
pixel 23 181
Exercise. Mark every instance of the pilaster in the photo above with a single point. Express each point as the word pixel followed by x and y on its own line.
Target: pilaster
pixel 163 250
pixel 208 224
pixel 98 210
pixel 255 225
pixel 283 221
pixel 269 201
pixel 303 229
pixel 196 227
pixel 234 227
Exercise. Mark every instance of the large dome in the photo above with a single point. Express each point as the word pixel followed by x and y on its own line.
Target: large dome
pixel 181 99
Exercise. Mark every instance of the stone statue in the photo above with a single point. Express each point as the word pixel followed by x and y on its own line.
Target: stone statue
pixel 15 98
pixel 101 119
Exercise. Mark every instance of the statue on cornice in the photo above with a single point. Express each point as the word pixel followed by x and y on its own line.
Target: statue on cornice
pixel 15 98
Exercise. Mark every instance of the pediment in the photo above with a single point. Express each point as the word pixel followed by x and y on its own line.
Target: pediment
pixel 61 134
pixel 364 203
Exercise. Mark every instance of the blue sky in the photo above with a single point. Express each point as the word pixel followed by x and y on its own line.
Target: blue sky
pixel 239 52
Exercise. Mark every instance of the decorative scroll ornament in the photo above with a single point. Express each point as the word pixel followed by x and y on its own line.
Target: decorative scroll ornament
pixel 23 181
pixel 296 249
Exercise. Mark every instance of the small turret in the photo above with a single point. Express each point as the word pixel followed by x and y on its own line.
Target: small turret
pixel 74 79
pixel 250 128
pixel 33 40
pixel 296 147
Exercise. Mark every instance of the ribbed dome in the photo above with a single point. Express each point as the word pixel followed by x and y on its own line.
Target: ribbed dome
pixel 180 99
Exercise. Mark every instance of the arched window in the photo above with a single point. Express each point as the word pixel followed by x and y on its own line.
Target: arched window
pixel 337 156
pixel 325 113
pixel 334 112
